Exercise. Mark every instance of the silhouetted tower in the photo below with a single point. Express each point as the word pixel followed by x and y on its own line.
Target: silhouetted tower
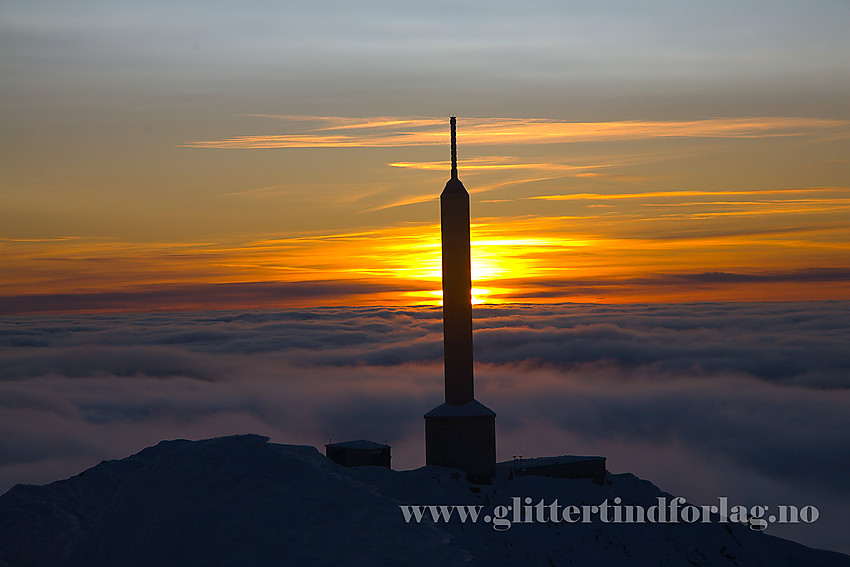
pixel 460 433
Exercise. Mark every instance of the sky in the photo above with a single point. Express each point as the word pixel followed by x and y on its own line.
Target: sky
pixel 215 155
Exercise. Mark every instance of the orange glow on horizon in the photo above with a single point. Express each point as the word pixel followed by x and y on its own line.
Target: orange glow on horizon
pixel 610 211
pixel 513 260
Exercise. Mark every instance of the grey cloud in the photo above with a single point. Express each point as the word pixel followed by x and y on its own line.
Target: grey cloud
pixel 791 343
pixel 803 275
pixel 194 296
pixel 732 396
pixel 542 288
pixel 777 432
pixel 112 361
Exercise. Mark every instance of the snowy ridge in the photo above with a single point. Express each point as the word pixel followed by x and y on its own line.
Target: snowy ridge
pixel 242 501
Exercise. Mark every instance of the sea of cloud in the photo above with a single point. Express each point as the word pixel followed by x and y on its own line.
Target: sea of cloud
pixel 745 400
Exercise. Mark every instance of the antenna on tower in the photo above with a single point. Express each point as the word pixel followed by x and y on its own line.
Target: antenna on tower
pixel 453 122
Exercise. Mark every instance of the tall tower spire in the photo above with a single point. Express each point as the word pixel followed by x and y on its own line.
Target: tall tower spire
pixel 457 286
pixel 453 123
pixel 461 433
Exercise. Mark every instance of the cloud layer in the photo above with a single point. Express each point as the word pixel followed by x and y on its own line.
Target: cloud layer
pixel 748 401
pixel 385 132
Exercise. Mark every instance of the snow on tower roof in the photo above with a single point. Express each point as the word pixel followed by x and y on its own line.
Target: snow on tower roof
pixel 469 409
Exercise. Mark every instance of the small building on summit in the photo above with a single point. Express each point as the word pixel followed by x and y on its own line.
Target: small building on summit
pixel 565 466
pixel 359 453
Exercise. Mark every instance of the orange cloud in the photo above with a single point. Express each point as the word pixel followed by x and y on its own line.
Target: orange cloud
pixel 495 163
pixel 676 194
pixel 382 132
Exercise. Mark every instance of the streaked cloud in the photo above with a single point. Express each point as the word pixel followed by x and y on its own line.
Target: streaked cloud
pixel 182 297
pixel 384 132
pixel 495 163
pixel 684 193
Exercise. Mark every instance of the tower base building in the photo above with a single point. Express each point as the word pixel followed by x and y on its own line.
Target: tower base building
pixel 463 437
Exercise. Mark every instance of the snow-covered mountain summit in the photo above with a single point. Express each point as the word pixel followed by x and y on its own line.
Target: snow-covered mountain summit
pixel 242 501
